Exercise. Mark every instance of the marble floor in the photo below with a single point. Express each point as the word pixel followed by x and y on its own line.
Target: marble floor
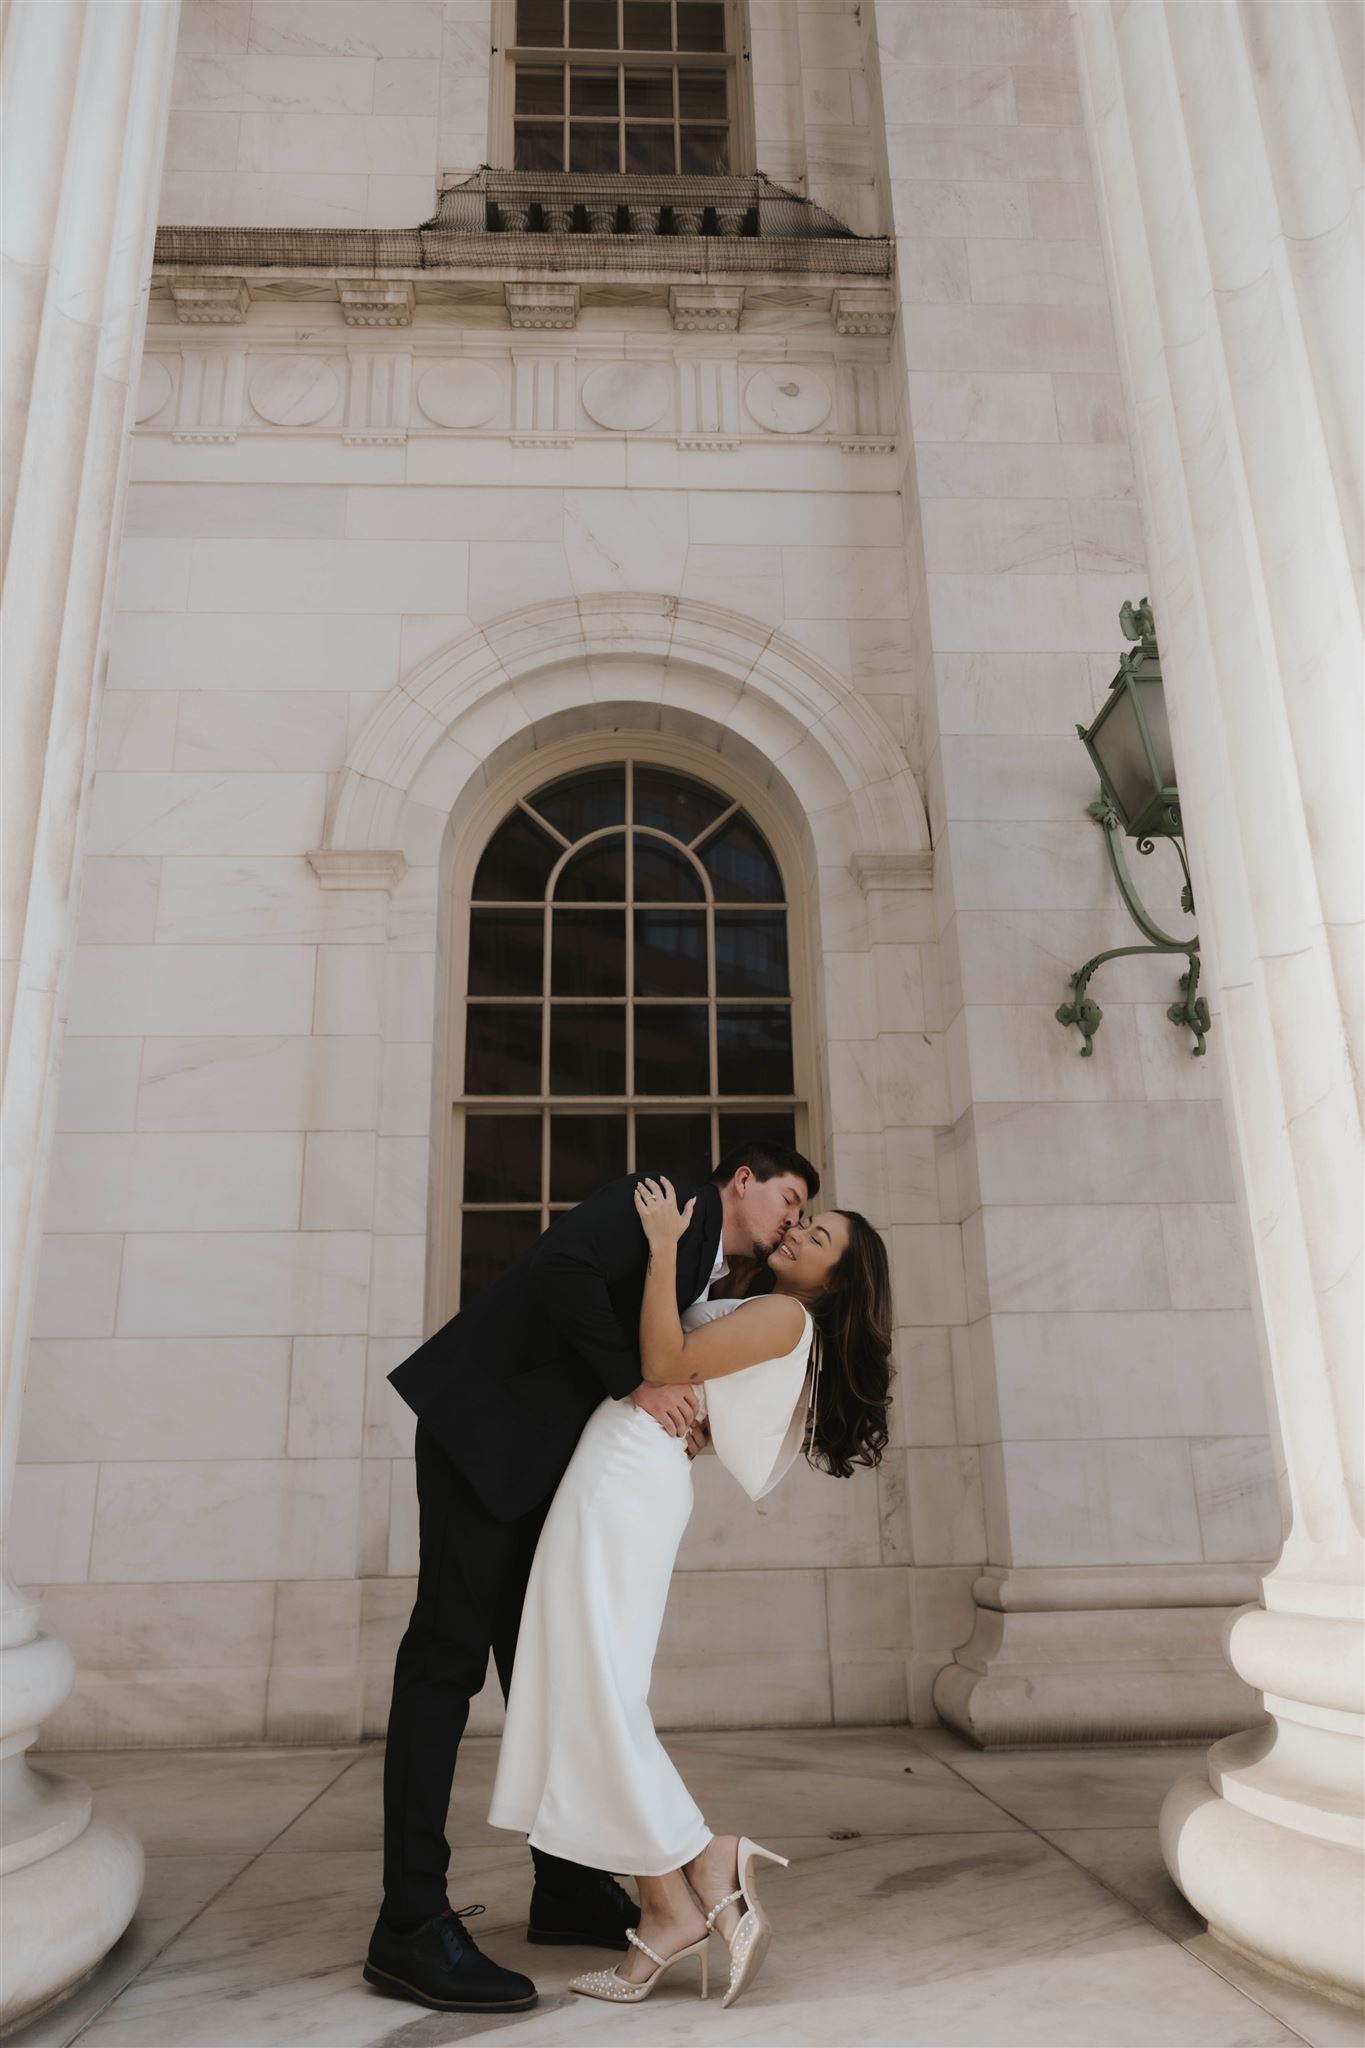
pixel 936 1896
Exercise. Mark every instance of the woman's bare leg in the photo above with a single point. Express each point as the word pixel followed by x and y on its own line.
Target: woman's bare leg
pixel 669 1920
pixel 714 1874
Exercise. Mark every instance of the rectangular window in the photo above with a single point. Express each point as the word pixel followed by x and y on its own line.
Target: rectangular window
pixel 623 85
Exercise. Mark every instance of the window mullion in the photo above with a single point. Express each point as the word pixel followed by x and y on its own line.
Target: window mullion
pixel 712 1032
pixel 630 928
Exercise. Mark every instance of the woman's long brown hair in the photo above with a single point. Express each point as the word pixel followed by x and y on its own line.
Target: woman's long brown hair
pixel 853 1324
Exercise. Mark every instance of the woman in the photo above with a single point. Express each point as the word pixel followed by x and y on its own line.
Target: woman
pixel 581 1770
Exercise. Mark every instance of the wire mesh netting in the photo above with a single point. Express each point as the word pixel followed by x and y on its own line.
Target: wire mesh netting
pixel 522 221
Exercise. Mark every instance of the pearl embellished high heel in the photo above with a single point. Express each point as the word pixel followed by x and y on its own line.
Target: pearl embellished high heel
pixel 749 1942
pixel 607 1984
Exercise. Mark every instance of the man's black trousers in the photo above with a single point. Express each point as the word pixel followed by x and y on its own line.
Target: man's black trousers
pixel 470 1586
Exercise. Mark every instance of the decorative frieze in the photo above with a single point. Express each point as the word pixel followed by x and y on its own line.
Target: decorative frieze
pixel 864 409
pixel 371 302
pixel 210 301
pixel 702 393
pixel 542 305
pixel 706 308
pixel 378 396
pixel 212 392
pixel 864 309
pixel 544 401
pixel 708 403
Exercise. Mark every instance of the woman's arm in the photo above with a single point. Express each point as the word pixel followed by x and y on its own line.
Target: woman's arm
pixel 766 1328
pixel 661 1334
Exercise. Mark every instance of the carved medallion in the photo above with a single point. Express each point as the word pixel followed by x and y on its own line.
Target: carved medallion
pixel 293 391
pixel 460 393
pixel 787 400
pixel 153 390
pixel 627 397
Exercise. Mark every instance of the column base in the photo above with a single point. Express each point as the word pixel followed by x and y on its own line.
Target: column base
pixel 1102 1655
pixel 1290 1902
pixel 63 1914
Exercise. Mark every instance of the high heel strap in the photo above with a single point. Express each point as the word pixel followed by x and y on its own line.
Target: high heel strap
pixel 730 1899
pixel 653 1954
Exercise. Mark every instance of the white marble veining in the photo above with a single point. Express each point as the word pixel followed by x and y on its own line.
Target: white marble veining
pixel 915 1911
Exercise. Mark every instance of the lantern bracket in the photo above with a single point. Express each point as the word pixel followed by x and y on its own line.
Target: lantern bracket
pixel 1192 1010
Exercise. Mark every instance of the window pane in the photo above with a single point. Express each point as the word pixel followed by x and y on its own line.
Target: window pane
pixel 506 952
pixel 741 868
pixel 650 93
pixel 649 25
pixel 502 1158
pixel 577 804
pixel 675 803
pixel 502 1049
pixel 754 1050
pixel 540 22
pixel 670 953
pixel 585 1151
pixel 751 953
pixel 540 92
pixel 777 1126
pixel 701 95
pixel 649 149
pixel 595 147
pixel 592 24
pixel 597 875
pixel 491 1243
pixel 663 875
pixel 701 24
pixel 588 1050
pixel 671 1054
pixel 588 953
pixel 539 147
pixel 704 152
pixel 516 862
pixel 592 92
pixel 674 1145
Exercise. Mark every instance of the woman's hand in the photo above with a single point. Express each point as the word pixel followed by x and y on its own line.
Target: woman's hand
pixel 657 1207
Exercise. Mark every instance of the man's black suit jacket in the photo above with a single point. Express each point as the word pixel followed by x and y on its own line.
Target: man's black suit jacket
pixel 506 1385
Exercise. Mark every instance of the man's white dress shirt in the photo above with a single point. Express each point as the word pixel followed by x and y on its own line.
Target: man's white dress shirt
pixel 718 1272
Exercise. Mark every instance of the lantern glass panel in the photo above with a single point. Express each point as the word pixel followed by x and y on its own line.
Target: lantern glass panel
pixel 1152 703
pixel 1122 755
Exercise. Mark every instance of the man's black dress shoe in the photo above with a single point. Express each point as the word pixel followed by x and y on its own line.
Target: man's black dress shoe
pixel 440 1965
pixel 574 1907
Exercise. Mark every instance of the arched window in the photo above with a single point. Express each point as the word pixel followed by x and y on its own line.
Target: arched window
pixel 628 999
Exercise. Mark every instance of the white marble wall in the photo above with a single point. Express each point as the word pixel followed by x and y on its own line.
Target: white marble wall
pixel 214 1468
pixel 324 113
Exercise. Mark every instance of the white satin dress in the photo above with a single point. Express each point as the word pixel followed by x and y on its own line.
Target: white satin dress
pixel 581 1770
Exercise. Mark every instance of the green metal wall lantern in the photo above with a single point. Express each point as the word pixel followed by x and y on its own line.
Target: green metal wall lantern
pixel 1130 744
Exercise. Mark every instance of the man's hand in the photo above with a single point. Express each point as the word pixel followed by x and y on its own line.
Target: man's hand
pixel 699 1436
pixel 673 1408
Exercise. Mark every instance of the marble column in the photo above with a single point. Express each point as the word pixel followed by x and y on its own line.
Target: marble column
pixel 1227 140
pixel 1109 1417
pixel 86 96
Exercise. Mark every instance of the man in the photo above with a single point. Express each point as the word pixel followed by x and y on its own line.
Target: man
pixel 501 1393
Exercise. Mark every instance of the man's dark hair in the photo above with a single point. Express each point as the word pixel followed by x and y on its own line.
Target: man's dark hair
pixel 765 1160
